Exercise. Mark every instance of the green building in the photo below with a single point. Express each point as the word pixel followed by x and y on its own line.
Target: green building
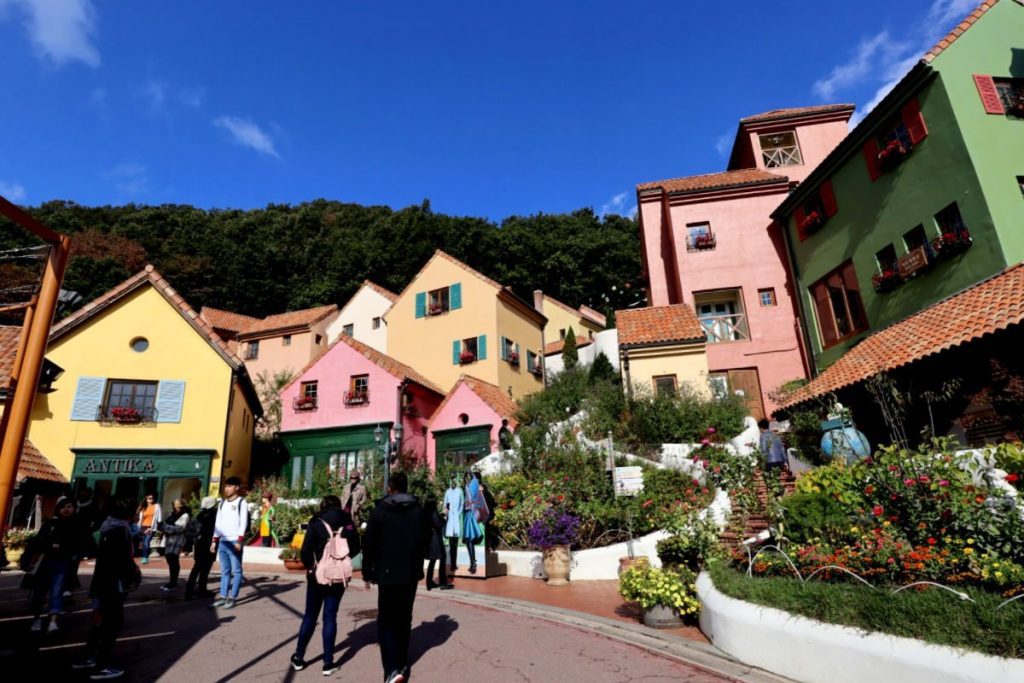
pixel 924 198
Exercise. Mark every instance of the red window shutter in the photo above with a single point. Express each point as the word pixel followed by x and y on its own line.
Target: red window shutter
pixel 828 199
pixel 989 95
pixel 826 323
pixel 871 159
pixel 914 121
pixel 798 218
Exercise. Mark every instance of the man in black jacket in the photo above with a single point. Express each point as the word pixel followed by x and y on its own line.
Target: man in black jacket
pixel 201 529
pixel 394 547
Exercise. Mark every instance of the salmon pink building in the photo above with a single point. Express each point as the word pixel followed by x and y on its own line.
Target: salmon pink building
pixel 338 413
pixel 709 241
pixel 467 425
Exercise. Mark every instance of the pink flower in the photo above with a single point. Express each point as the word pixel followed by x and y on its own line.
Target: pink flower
pixel 924 479
pixel 705 442
pixel 943 482
pixel 909 482
pixel 893 468
pixel 711 430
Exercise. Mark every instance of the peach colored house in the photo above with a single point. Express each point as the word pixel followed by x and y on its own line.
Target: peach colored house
pixel 362 317
pixel 466 425
pixel 709 241
pixel 331 410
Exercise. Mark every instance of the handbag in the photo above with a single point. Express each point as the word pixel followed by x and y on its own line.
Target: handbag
pixel 159 540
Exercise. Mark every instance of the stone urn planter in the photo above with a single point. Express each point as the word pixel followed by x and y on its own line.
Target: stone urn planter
pixel 660 616
pixel 556 565
pixel 294 565
pixel 14 555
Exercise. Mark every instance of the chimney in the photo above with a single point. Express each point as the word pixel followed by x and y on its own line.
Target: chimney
pixel 538 300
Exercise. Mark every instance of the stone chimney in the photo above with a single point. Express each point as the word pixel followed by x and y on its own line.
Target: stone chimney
pixel 538 300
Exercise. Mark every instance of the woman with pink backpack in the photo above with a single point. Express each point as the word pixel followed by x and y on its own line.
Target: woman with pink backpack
pixel 330 544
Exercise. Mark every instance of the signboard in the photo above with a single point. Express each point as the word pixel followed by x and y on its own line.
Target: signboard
pixel 118 466
pixel 912 262
pixel 629 481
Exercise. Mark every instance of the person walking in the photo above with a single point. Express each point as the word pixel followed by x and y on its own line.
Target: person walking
pixel 174 533
pixel 353 495
pixel 202 540
pixel 435 545
pixel 770 444
pixel 150 517
pixel 329 521
pixel 393 553
pixel 229 532
pixel 115 574
pixel 85 515
pixel 49 559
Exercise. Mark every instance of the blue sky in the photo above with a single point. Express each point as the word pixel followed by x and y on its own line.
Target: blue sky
pixel 486 108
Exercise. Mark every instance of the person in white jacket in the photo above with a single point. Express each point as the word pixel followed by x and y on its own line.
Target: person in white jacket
pixel 229 532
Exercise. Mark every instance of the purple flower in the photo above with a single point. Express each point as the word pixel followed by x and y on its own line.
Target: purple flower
pixel 554 528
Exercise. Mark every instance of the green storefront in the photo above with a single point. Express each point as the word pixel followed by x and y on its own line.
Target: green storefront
pixel 169 474
pixel 462 447
pixel 337 451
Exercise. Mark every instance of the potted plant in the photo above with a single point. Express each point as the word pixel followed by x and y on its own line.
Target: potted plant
pixel 704 241
pixel 305 403
pixel 126 415
pixel 291 557
pixel 886 280
pixel 554 532
pixel 811 222
pixel 435 309
pixel 951 242
pixel 892 154
pixel 664 594
pixel 466 357
pixel 15 542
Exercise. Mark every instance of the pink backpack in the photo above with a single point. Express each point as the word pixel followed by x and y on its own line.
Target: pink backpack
pixel 335 565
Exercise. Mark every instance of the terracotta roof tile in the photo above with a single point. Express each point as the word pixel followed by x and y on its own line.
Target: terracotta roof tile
pixel 793 112
pixel 386 293
pixel 499 401
pixel 987 307
pixel 715 181
pixel 557 346
pixel 959 30
pixel 658 325
pixel 226 320
pixel 9 336
pixel 35 465
pixel 284 321
pixel 596 317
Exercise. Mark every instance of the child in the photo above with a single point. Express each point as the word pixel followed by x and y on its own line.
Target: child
pixel 771 447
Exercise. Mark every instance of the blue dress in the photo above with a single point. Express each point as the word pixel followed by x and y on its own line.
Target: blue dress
pixel 471 530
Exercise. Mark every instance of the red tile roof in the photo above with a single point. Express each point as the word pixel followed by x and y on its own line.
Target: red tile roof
pixel 716 181
pixel 386 293
pixel 985 308
pixel 958 31
pixel 292 319
pixel 658 325
pixel 557 346
pixel 226 320
pixel 497 400
pixel 794 112
pixel 596 317
pixel 35 465
pixel 9 336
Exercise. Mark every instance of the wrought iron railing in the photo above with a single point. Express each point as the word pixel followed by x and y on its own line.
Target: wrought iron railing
pixel 725 328
pixel 304 403
pixel 357 398
pixel 126 415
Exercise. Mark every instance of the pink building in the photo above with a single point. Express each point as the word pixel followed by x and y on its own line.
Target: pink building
pixel 467 425
pixel 709 241
pixel 340 410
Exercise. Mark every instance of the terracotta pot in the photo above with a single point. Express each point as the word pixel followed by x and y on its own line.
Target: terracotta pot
pixel 294 565
pixel 661 616
pixel 627 562
pixel 556 565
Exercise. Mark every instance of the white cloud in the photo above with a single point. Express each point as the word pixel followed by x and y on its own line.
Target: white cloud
pixel 61 30
pixel 723 143
pixel 12 192
pixel 618 205
pixel 854 71
pixel 247 134
pixel 129 178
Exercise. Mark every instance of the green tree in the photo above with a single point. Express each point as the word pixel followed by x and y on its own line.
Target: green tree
pixel 570 354
pixel 601 370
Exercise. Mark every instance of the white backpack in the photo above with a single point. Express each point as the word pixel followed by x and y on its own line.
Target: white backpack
pixel 335 565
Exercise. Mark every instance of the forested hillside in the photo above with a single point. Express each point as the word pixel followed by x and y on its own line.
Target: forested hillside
pixel 286 257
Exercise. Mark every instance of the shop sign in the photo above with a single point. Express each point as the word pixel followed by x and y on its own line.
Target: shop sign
pixel 912 262
pixel 118 466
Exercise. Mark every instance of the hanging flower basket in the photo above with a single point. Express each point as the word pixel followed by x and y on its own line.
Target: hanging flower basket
pixel 890 156
pixel 886 280
pixel 811 222
pixel 949 244
pixel 467 357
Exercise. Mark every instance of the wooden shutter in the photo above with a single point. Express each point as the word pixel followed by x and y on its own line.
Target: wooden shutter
pixel 989 94
pixel 481 347
pixel 170 397
pixel 455 296
pixel 914 121
pixel 798 218
pixel 828 199
pixel 456 350
pixel 826 321
pixel 871 159
pixel 421 304
pixel 88 397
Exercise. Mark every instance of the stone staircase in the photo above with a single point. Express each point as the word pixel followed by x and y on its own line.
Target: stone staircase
pixel 747 523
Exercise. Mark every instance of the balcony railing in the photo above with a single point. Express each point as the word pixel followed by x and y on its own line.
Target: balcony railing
pixel 781 156
pixel 126 415
pixel 357 398
pixel 725 328
pixel 303 403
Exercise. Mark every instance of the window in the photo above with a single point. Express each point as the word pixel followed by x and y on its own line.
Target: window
pixel 509 351
pixel 1011 94
pixel 886 258
pixel 469 349
pixel 839 306
pixel 699 237
pixel 780 149
pixel 252 350
pixel 286 340
pixel 438 301
pixel 309 389
pixel 347 330
pixel 719 383
pixel 139 344
pixel 533 363
pixel 767 296
pixel 949 221
pixel 721 314
pixel 1020 183
pixel 318 339
pixel 131 394
pixel 896 139
pixel 894 130
pixel 561 333
pixel 665 385
pixel 376 323
pixel 819 208
pixel 915 238
pixel 358 390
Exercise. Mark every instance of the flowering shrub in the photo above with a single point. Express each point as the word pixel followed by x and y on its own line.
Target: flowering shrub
pixel 648 586
pixel 892 154
pixel 18 538
pixel 126 414
pixel 689 547
pixel 555 527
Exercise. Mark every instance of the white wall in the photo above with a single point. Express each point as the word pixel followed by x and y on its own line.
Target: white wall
pixel 365 305
pixel 605 341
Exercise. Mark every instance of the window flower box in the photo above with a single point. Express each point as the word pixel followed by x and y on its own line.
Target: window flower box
pixel 886 280
pixel 704 242
pixel 126 415
pixel 467 357
pixel 537 370
pixel 435 309
pixel 513 358
pixel 357 398
pixel 950 243
pixel 892 155
pixel 812 222
pixel 304 403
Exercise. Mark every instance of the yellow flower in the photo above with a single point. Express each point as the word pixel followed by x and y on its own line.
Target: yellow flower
pixel 854 529
pixel 886 523
pixel 999 575
pixel 970 541
pixel 968 551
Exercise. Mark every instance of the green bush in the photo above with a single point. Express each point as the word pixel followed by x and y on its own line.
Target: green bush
pixel 601 370
pixel 814 515
pixel 563 397
pixel 691 547
pixel 804 436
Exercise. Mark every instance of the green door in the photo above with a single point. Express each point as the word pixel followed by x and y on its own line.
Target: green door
pixel 318 456
pixel 461 448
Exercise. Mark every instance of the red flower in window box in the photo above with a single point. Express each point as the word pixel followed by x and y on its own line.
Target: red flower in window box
pixel 704 241
pixel 435 309
pixel 811 222
pixel 951 243
pixel 467 357
pixel 537 370
pixel 126 415
pixel 357 397
pixel 886 280
pixel 305 403
pixel 892 154
pixel 513 358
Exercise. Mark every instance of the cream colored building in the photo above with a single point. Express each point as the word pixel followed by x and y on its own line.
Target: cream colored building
pixel 584 321
pixel 662 348
pixel 362 318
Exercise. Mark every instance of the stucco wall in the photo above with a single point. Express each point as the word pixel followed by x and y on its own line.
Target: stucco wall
pixel 365 305
pixel 815 140
pixel 514 325
pixel 605 341
pixel 240 428
pixel 561 319
pixel 275 356
pixel 463 400
pixel 689 365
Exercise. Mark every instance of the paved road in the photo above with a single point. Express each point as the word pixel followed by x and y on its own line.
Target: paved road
pixel 170 639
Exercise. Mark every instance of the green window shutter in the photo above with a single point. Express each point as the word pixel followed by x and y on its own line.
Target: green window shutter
pixel 529 361
pixel 170 396
pixel 455 296
pixel 88 398
pixel 501 348
pixel 481 347
pixel 421 304
pixel 456 349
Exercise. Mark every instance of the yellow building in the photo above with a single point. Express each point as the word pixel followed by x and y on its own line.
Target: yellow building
pixel 662 348
pixel 585 322
pixel 452 320
pixel 151 399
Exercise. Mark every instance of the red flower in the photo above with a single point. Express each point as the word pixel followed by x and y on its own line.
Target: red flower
pixel 924 479
pixel 909 482
pixel 647 503
pixel 931 541
pixel 560 497
pixel 869 490
pixel 877 511
pixel 1011 477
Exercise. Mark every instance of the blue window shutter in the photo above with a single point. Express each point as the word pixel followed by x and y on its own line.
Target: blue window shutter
pixel 456 350
pixel 88 397
pixel 455 296
pixel 481 347
pixel 502 353
pixel 421 304
pixel 520 358
pixel 529 361
pixel 170 396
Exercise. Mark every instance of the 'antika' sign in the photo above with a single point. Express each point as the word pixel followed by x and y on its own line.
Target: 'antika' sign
pixel 118 466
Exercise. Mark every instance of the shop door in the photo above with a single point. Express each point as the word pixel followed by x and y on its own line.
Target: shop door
pixel 186 488
pixel 748 382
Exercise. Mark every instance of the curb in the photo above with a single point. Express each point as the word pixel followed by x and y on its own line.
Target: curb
pixel 700 655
